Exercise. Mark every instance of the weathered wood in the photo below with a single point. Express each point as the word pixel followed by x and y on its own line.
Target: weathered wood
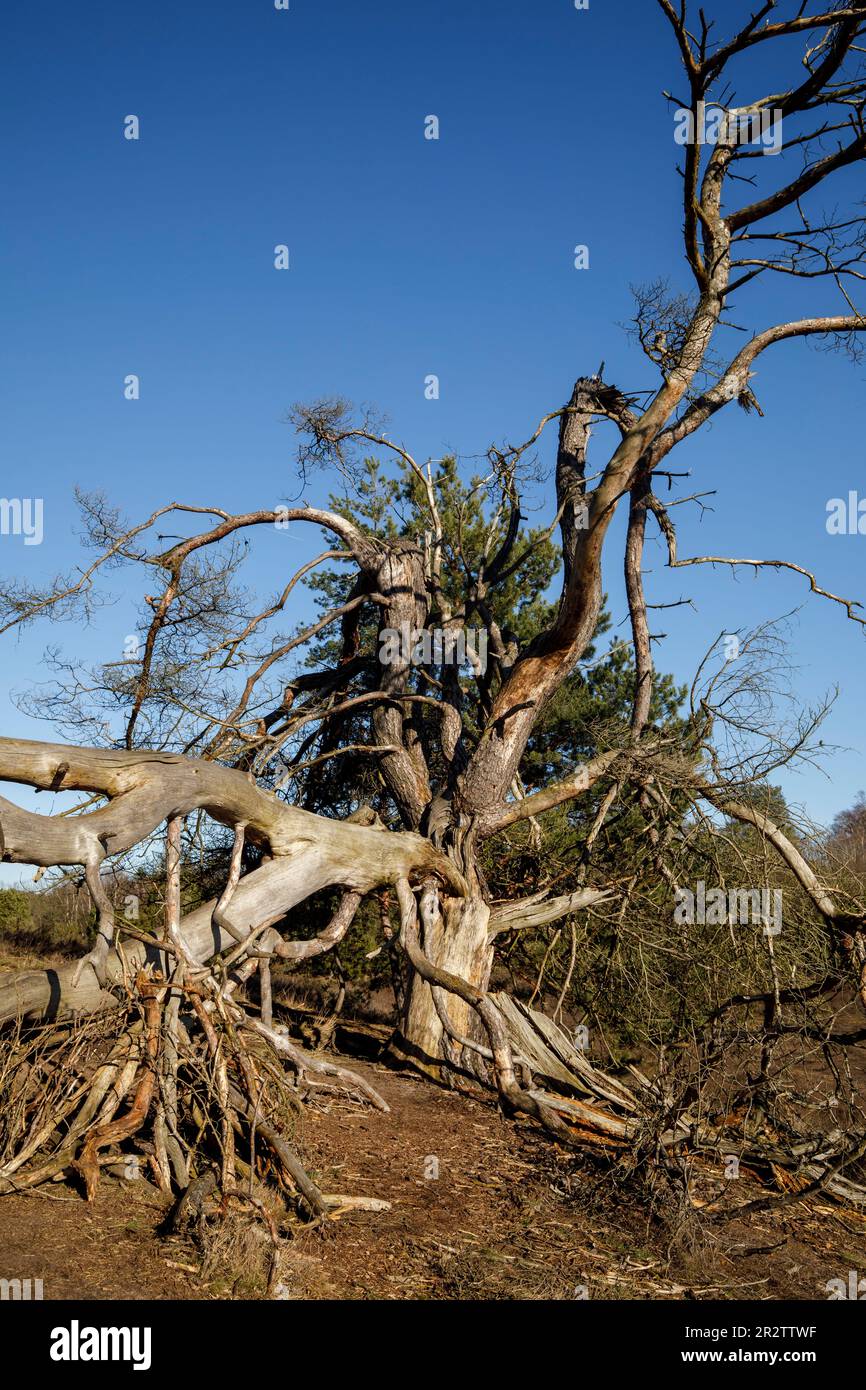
pixel 309 852
pixel 551 1054
pixel 539 910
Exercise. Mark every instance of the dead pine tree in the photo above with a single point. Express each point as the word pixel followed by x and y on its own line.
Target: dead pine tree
pixel 219 725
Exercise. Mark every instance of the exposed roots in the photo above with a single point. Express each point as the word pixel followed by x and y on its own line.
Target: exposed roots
pixel 181 1086
pixel 177 1079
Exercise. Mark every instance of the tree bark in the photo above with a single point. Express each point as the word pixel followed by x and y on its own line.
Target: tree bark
pixel 458 941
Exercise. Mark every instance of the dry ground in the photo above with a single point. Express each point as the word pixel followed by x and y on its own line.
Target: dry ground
pixel 507 1217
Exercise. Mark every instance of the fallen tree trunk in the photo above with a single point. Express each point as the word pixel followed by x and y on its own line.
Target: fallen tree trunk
pixel 263 897
pixel 308 853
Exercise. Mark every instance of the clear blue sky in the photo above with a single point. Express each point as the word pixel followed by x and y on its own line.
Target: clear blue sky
pixel 408 257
